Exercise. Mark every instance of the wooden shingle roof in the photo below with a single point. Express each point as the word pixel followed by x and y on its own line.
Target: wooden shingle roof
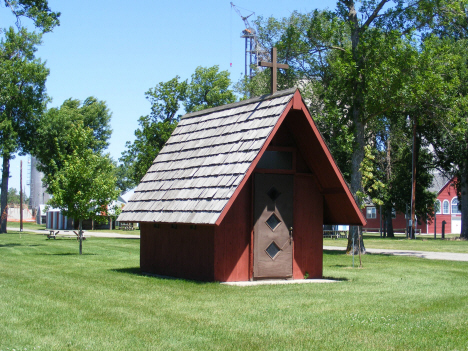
pixel 204 162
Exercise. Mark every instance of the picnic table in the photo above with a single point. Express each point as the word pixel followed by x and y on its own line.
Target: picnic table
pixel 127 226
pixel 335 234
pixel 64 233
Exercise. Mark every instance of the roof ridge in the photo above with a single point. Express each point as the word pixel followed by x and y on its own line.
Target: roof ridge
pixel 240 103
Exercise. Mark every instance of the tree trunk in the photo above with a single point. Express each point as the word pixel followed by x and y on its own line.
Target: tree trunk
pixel 415 157
pixel 21 196
pixel 464 199
pixel 389 222
pixel 4 197
pixel 388 210
pixel 385 227
pixel 358 128
pixel 80 236
pixel 356 178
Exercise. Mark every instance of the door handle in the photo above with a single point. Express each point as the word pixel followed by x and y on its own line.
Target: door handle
pixel 290 233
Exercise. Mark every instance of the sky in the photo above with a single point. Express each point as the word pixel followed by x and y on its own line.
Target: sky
pixel 117 50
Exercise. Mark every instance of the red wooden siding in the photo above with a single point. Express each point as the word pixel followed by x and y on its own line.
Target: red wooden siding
pixel 232 240
pixel 182 252
pixel 339 205
pixel 308 230
pixel 448 192
pixel 399 222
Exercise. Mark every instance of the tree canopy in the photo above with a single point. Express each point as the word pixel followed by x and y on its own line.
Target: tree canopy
pixel 53 136
pixel 208 88
pixel 14 197
pixel 85 184
pixel 22 99
pixel 70 149
pixel 22 84
pixel 36 10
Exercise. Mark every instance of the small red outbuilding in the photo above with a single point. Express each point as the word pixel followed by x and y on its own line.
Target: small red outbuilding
pixel 241 192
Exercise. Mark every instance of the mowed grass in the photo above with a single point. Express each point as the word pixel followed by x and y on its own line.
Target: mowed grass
pixel 53 299
pixel 26 225
pixel 422 243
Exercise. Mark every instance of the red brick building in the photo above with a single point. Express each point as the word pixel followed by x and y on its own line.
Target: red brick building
pixel 446 203
pixel 373 218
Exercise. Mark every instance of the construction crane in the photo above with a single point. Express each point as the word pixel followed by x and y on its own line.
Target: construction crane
pixel 254 52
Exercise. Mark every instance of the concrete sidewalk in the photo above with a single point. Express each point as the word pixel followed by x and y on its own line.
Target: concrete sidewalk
pixel 447 256
pixel 86 233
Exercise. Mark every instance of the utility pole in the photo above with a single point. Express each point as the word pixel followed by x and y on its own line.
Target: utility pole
pixel 21 195
pixel 413 182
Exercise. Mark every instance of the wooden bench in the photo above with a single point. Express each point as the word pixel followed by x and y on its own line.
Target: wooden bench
pixel 54 233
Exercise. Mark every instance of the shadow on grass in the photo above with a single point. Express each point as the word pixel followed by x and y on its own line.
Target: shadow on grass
pixel 67 254
pixel 341 279
pixel 132 270
pixel 334 252
pixel 383 254
pixel 137 237
pixel 10 245
pixel 14 245
pixel 137 271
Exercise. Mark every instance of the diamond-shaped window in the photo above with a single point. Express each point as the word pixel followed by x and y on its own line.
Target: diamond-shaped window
pixel 272 250
pixel 273 194
pixel 273 221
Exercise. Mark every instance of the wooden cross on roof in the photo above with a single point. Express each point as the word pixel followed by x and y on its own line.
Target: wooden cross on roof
pixel 274 66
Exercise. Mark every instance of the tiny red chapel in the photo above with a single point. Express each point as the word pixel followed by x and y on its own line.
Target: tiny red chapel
pixel 241 192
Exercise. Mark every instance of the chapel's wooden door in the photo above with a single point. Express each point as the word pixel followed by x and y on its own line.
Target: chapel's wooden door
pixel 273 214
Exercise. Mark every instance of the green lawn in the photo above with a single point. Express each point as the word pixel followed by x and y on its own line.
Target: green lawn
pixel 54 299
pixel 26 225
pixel 422 243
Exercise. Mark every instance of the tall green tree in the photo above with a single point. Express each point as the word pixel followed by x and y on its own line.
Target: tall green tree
pixel 347 59
pixel 208 87
pixel 22 99
pixel 450 138
pixel 70 145
pixel 22 84
pixel 425 98
pixel 85 184
pixel 52 136
pixel 387 180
